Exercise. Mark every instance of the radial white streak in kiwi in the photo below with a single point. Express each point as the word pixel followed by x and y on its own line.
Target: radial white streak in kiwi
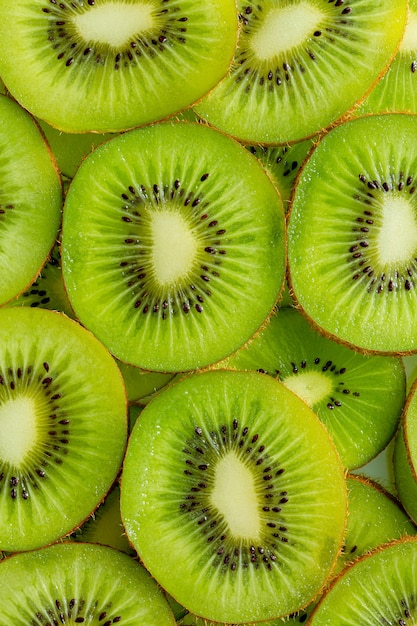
pixel 114 23
pixel 310 386
pixel 234 496
pixel 18 431
pixel 174 246
pixel 409 42
pixel 397 236
pixel 285 28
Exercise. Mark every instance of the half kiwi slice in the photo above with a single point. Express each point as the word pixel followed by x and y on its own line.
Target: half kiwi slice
pixel 299 66
pixel 71 583
pixel 359 398
pixel 239 478
pixel 30 200
pixel 352 231
pixel 63 426
pixel 182 253
pixel 108 65
pixel 405 456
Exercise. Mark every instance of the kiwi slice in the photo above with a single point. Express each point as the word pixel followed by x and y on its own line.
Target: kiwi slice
pixel 142 384
pixel 239 478
pixel 405 455
pixel 70 583
pixel 182 254
pixel 30 200
pixel 397 89
pixel 378 588
pixel 63 425
pixel 352 234
pixel 299 66
pixel 359 398
pixel 108 65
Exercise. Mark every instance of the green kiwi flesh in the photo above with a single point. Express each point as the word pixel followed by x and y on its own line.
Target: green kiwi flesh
pixel 405 456
pixel 63 426
pixel 299 66
pixel 250 496
pixel 142 384
pixel 352 234
pixel 378 588
pixel 106 66
pixel 359 398
pixel 30 200
pixel 182 256
pixel 70 583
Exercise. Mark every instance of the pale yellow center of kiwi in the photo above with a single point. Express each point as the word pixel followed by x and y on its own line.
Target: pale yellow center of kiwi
pixel 311 387
pixel 234 496
pixel 18 431
pixel 285 28
pixel 114 23
pixel 409 42
pixel 397 235
pixel 174 247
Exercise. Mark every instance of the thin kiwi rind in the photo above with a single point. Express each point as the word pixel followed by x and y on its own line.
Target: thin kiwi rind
pixel 63 426
pixel 359 398
pixel 182 256
pixel 378 588
pixel 352 234
pixel 250 496
pixel 300 66
pixel 73 583
pixel 30 200
pixel 107 66
pixel 397 89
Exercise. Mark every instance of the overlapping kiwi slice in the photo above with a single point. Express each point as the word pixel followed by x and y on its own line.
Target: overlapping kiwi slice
pixel 379 588
pixel 405 455
pixel 352 234
pixel 108 65
pixel 63 426
pixel 300 65
pixel 234 497
pixel 358 397
pixel 70 583
pixel 30 200
pixel 182 252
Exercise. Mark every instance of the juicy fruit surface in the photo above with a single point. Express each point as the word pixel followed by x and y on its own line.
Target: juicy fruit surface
pixel 63 426
pixel 288 78
pixel 179 263
pixel 30 199
pixel 352 234
pixel 256 514
pixel 107 66
pixel 73 583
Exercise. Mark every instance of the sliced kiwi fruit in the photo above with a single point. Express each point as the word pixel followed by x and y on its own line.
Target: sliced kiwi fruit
pixel 63 426
pixel 182 254
pixel 77 583
pixel 108 65
pixel 359 398
pixel 352 234
pixel 30 200
pixel 378 588
pixel 142 384
pixel 239 478
pixel 397 89
pixel 405 456
pixel 299 66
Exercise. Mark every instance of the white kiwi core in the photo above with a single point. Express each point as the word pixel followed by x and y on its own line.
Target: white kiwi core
pixel 285 28
pixel 397 236
pixel 234 496
pixel 114 23
pixel 17 429
pixel 174 247
pixel 409 41
pixel 309 386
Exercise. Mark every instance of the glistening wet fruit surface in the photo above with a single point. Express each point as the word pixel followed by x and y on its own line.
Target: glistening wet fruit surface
pixel 352 234
pixel 237 476
pixel 109 65
pixel 72 583
pixel 63 426
pixel 182 254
